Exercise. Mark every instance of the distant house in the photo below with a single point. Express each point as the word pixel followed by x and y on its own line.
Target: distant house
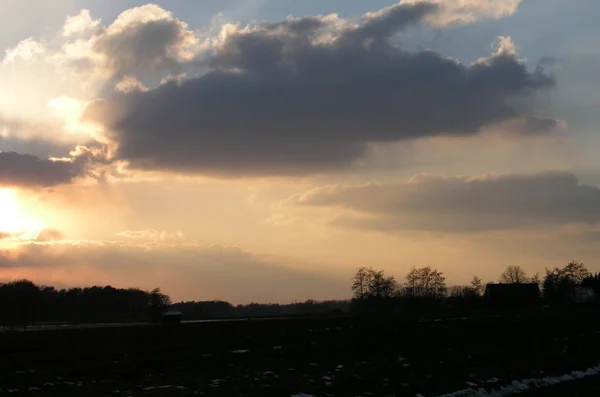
pixel 172 317
pixel 513 294
pixel 583 295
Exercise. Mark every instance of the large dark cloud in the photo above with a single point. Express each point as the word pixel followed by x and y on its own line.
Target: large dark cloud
pixel 26 170
pixel 310 94
pixel 430 202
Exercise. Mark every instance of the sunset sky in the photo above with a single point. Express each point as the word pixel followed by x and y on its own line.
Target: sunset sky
pixel 262 150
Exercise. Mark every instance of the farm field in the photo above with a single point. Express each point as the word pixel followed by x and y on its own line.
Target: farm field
pixel 308 357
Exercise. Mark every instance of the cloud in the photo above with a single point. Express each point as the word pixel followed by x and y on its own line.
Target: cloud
pixel 129 84
pixel 532 125
pixel 463 204
pixel 185 271
pixel 144 40
pixel 39 147
pixel 309 95
pixel 25 50
pixel 150 235
pixel 80 25
pixel 5 235
pixel 49 235
pixel 34 231
pixel 467 11
pixel 25 170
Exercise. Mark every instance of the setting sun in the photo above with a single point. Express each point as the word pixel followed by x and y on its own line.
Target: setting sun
pixel 13 221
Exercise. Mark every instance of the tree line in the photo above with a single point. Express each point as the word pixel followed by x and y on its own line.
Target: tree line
pixel 23 302
pixel 425 288
pixel 218 309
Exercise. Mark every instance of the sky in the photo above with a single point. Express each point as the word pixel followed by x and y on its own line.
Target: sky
pixel 262 150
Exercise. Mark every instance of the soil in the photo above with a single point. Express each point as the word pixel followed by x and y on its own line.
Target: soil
pixel 316 357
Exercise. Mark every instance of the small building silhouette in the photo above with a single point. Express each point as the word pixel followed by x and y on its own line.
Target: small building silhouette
pixel 583 295
pixel 525 294
pixel 172 317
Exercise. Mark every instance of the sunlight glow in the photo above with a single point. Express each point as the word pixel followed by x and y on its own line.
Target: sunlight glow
pixel 12 220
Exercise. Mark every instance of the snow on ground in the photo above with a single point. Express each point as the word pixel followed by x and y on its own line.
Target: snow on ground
pixel 519 386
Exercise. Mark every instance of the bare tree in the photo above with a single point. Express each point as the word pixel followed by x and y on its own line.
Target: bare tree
pixel 361 282
pixel 576 272
pixel 513 275
pixel 425 282
pixel 368 282
pixel 382 286
pixel 477 285
pixel 536 279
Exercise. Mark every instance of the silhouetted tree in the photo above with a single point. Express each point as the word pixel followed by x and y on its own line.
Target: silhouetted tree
pixel 20 303
pixel 382 286
pixel 477 285
pixel 158 303
pixel 513 275
pixel 425 282
pixel 560 283
pixel 576 272
pixel 361 282
pixel 461 292
pixel 370 283
pixel 536 279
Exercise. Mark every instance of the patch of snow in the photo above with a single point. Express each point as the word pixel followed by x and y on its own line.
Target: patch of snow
pixel 240 351
pixel 519 386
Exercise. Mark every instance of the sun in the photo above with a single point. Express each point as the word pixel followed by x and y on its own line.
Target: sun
pixel 12 220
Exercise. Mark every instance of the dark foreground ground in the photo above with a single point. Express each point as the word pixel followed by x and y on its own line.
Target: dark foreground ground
pixel 318 357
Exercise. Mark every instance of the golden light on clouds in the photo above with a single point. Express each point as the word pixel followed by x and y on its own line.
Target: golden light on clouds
pixel 13 220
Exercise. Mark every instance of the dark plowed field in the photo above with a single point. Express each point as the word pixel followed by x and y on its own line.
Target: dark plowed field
pixel 319 357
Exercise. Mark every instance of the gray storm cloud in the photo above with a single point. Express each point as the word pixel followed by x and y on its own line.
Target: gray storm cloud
pixel 29 171
pixel 309 95
pixel 463 204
